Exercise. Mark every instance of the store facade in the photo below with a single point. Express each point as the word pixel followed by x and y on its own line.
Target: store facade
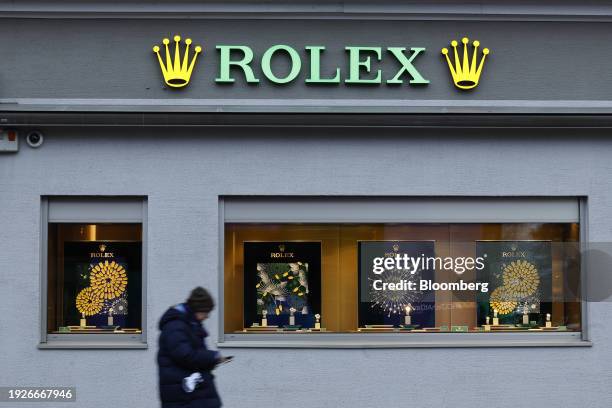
pixel 389 203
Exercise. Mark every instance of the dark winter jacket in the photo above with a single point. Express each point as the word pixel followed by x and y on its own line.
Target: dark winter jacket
pixel 182 351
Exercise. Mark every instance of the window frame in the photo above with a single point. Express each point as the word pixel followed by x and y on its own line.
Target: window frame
pixel 126 210
pixel 241 211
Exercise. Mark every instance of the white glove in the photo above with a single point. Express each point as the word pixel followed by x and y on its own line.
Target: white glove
pixel 190 383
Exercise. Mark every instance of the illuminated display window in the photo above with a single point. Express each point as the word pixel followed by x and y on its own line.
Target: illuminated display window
pixel 94 278
pixel 93 272
pixel 399 278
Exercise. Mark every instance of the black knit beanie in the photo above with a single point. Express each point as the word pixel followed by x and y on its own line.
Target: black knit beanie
pixel 200 300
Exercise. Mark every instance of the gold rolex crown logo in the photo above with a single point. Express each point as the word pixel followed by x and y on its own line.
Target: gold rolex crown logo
pixel 395 247
pixel 281 247
pixel 177 72
pixel 102 247
pixel 466 72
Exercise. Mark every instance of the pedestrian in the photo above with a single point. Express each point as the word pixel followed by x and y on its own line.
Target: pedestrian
pixel 185 363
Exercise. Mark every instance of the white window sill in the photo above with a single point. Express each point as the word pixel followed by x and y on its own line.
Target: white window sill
pixel 93 341
pixel 393 340
pixel 91 345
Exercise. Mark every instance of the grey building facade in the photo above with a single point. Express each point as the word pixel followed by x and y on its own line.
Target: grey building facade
pixel 121 146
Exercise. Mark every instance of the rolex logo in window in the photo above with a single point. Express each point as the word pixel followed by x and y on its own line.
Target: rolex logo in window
pixel 465 70
pixel 395 248
pixel 102 253
pixel 514 252
pixel 177 71
pixel 281 253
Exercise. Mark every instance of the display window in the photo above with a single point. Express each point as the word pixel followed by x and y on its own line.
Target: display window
pixel 93 272
pixel 402 278
pixel 94 278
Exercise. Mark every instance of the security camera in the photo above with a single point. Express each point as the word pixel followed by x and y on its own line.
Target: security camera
pixel 34 138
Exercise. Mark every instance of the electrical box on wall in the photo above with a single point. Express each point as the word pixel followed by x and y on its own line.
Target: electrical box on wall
pixel 9 141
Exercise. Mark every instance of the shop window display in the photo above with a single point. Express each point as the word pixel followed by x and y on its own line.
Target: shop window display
pixel 94 278
pixel 401 278
pixel 286 283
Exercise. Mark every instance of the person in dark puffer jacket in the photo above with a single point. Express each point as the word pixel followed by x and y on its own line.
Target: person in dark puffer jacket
pixel 183 351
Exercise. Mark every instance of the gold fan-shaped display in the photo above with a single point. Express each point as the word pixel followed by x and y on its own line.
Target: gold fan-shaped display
pixel 108 280
pixel 88 303
pixel 502 301
pixel 521 279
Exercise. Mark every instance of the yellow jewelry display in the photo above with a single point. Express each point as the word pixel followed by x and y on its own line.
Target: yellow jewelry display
pixel 88 303
pixel 502 301
pixel 108 280
pixel 521 279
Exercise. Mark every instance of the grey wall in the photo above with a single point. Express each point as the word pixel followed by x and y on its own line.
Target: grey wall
pixel 184 171
pixel 112 58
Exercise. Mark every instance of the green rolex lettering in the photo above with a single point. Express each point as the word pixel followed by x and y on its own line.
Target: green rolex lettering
pixel 407 67
pixel 296 64
pixel 315 67
pixel 226 63
pixel 357 65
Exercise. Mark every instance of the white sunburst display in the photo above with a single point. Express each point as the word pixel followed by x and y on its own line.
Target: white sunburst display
pixel 394 301
pixel 119 306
